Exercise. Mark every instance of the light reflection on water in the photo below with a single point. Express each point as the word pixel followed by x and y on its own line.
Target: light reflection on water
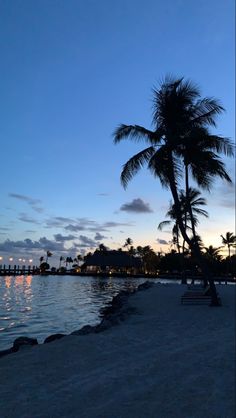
pixel 37 306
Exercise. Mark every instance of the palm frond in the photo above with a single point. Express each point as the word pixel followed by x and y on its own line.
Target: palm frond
pixel 205 111
pixel 136 133
pixel 163 224
pixel 134 164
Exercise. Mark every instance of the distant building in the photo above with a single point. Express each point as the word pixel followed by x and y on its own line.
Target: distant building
pixel 112 261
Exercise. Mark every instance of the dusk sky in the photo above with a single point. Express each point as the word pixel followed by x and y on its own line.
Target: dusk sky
pixel 71 71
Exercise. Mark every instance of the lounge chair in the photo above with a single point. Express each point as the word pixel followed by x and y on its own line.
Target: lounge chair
pixel 196 295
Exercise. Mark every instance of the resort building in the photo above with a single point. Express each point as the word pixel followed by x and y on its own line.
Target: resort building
pixel 112 262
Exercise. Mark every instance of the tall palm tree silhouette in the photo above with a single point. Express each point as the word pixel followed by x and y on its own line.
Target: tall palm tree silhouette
pixel 180 119
pixel 229 240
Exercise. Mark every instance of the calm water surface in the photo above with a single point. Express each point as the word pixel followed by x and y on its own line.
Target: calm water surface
pixel 37 306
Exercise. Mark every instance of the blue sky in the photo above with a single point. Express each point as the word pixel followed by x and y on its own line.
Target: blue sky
pixel 70 73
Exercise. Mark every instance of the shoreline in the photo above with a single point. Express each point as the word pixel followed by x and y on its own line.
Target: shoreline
pixel 111 314
pixel 160 361
pixel 164 276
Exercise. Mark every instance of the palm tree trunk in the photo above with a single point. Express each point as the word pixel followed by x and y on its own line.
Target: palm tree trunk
pixel 189 208
pixel 193 245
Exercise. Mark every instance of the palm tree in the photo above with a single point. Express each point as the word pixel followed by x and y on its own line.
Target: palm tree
pixel 49 254
pixel 128 243
pixel 229 240
pixel 180 116
pixel 194 200
pixel 102 248
pixel 79 258
pixel 212 253
pixel 68 260
pixel 61 259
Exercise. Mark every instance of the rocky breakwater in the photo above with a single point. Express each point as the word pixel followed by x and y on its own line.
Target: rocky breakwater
pixel 112 314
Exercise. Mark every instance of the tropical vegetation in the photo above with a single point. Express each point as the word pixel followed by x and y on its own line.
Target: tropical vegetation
pixel 179 146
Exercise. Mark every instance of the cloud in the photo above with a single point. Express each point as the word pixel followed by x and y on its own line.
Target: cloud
pixel 87 242
pixel 74 228
pixel 137 206
pixel 26 218
pixel 84 224
pixel 33 203
pixel 103 194
pixel 58 221
pixel 162 241
pixel 63 238
pixel 29 245
pixel 99 237
pixel 115 224
pixel 226 194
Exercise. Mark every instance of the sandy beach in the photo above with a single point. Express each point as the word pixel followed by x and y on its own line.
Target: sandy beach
pixel 164 360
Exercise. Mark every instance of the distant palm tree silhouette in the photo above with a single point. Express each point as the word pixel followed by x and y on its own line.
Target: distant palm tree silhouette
pixel 229 240
pixel 49 254
pixel 128 243
pixel 180 143
pixel 213 253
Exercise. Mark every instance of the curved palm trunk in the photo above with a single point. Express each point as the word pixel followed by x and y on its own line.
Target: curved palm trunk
pixel 177 240
pixel 193 245
pixel 189 207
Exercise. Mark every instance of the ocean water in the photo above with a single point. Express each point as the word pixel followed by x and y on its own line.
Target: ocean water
pixel 38 306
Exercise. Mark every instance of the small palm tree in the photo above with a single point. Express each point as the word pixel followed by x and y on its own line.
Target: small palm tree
pixel 229 240
pixel 102 248
pixel 128 243
pixel 68 260
pixel 61 259
pixel 49 254
pixel 194 200
pixel 213 253
pixel 79 258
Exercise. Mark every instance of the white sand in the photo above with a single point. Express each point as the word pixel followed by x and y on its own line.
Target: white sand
pixel 167 360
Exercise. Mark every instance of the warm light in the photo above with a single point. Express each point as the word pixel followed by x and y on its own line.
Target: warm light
pixel 10 258
pixel 30 261
pixel 1 258
pixel 20 259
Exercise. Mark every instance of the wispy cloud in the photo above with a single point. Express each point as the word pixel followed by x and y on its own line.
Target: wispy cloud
pixel 24 217
pixel 33 203
pixel 137 206
pixel 83 224
pixel 58 221
pixel 103 194
pixel 227 194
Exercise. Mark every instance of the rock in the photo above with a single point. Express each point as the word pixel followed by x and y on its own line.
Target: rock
pixel 145 285
pixel 87 329
pixel 103 326
pixel 53 337
pixel 22 341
